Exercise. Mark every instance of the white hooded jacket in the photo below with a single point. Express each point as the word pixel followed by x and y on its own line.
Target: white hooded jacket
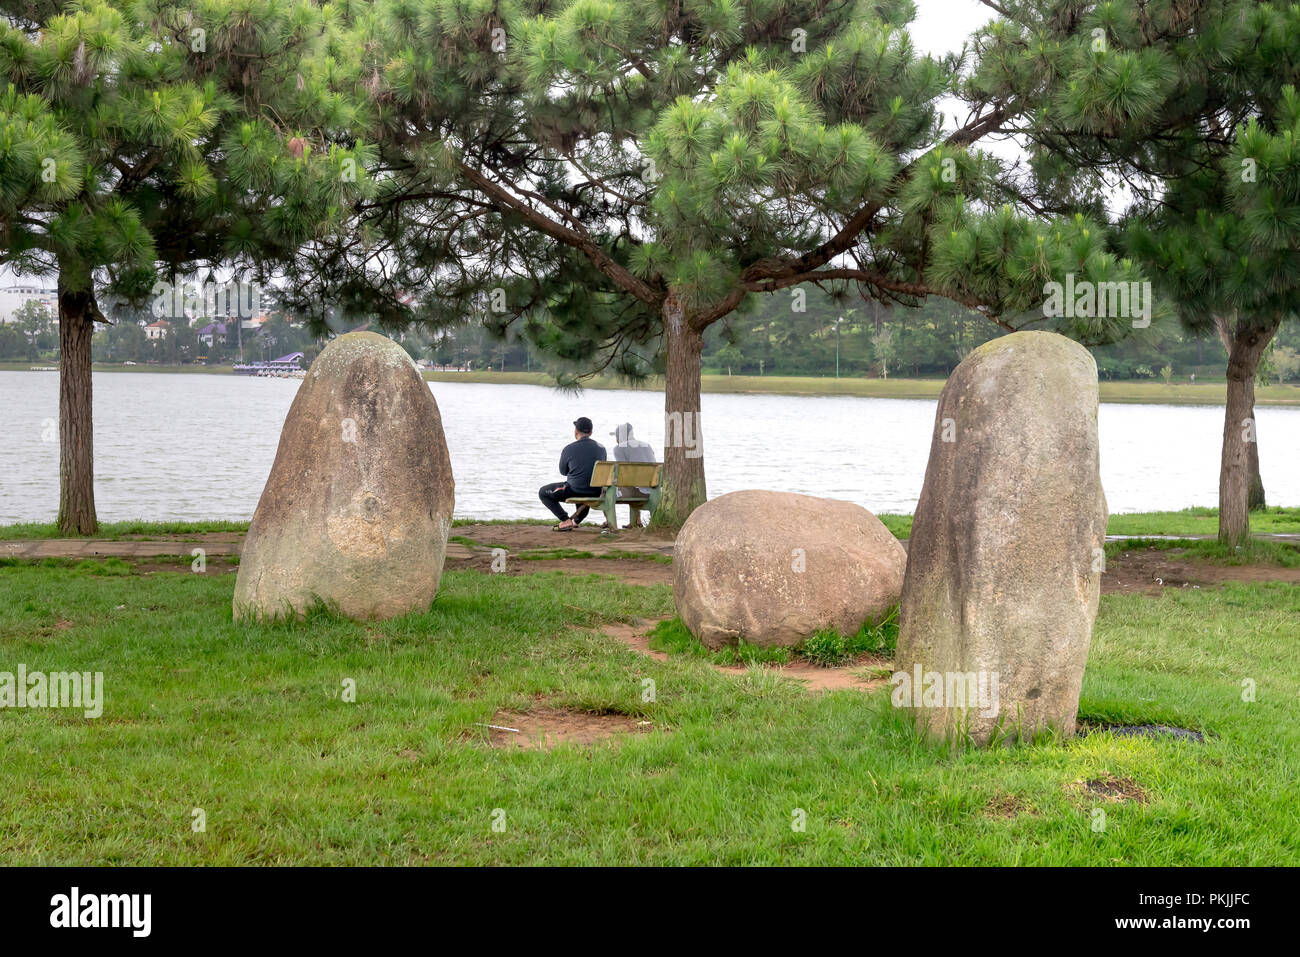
pixel 629 449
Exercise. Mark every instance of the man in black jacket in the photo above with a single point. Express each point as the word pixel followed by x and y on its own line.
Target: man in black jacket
pixel 576 463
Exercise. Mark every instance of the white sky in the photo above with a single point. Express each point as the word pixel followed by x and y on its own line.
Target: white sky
pixel 942 25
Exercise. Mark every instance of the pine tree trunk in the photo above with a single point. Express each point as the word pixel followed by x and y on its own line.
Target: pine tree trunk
pixel 76 435
pixel 1245 348
pixel 1255 500
pixel 683 477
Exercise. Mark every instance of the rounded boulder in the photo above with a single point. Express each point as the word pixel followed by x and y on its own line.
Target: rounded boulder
pixel 774 568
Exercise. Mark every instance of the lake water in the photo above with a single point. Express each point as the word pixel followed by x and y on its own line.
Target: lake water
pixel 194 446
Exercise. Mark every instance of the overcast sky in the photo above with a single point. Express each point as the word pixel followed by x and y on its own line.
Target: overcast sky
pixel 941 26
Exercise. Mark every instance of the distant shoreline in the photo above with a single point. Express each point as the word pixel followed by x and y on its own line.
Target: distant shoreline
pixel 1128 391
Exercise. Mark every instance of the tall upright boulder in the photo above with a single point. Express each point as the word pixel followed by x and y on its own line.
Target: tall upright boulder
pixel 774 568
pixel 1005 557
pixel 357 509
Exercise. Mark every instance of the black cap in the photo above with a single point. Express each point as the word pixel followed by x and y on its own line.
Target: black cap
pixel 583 424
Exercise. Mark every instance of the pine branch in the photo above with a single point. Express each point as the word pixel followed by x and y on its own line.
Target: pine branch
pixel 577 238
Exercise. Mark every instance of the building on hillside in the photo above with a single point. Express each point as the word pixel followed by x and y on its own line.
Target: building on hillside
pixel 13 298
pixel 157 330
pixel 214 332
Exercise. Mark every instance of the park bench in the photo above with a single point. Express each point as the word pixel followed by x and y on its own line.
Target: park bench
pixel 622 483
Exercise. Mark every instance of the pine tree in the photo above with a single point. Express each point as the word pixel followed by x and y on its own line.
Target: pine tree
pixel 1191 108
pixel 615 177
pixel 141 139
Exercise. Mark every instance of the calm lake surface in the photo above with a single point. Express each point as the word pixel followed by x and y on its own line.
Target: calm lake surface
pixel 195 446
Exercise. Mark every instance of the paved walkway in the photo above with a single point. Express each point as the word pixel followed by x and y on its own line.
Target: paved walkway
pixel 37 548
pixel 102 548
pixel 229 544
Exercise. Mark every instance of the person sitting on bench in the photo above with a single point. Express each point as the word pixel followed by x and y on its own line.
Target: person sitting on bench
pixel 576 462
pixel 628 449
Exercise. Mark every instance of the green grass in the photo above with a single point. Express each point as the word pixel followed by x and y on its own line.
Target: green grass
pixel 900 526
pixel 118 531
pixel 672 637
pixel 1190 521
pixel 247 722
pixel 827 647
pixel 1203 393
pixel 100 567
pixel 1201 521
pixel 550 554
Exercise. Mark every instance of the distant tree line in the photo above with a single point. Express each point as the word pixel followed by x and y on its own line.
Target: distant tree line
pixel 776 338
pixel 925 342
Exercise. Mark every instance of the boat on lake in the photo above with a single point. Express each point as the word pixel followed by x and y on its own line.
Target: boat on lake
pixel 285 367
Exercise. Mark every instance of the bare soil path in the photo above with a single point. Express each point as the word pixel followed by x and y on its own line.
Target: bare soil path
pixel 634 556
pixel 813 677
pixel 1150 571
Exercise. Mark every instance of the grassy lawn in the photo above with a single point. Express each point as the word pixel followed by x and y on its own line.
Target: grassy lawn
pixel 1191 521
pixel 119 531
pixel 248 723
pixel 1201 521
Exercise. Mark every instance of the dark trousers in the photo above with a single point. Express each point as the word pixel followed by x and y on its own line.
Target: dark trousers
pixel 552 495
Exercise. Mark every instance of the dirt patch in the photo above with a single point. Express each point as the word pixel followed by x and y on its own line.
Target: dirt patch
pixel 213 566
pixel 547 728
pixel 630 571
pixel 813 677
pixel 218 538
pixel 1006 806
pixel 519 538
pixel 1156 731
pixel 43 633
pixel 1110 789
pixel 816 677
pixel 1144 571
pixel 1149 571
pixel 636 637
